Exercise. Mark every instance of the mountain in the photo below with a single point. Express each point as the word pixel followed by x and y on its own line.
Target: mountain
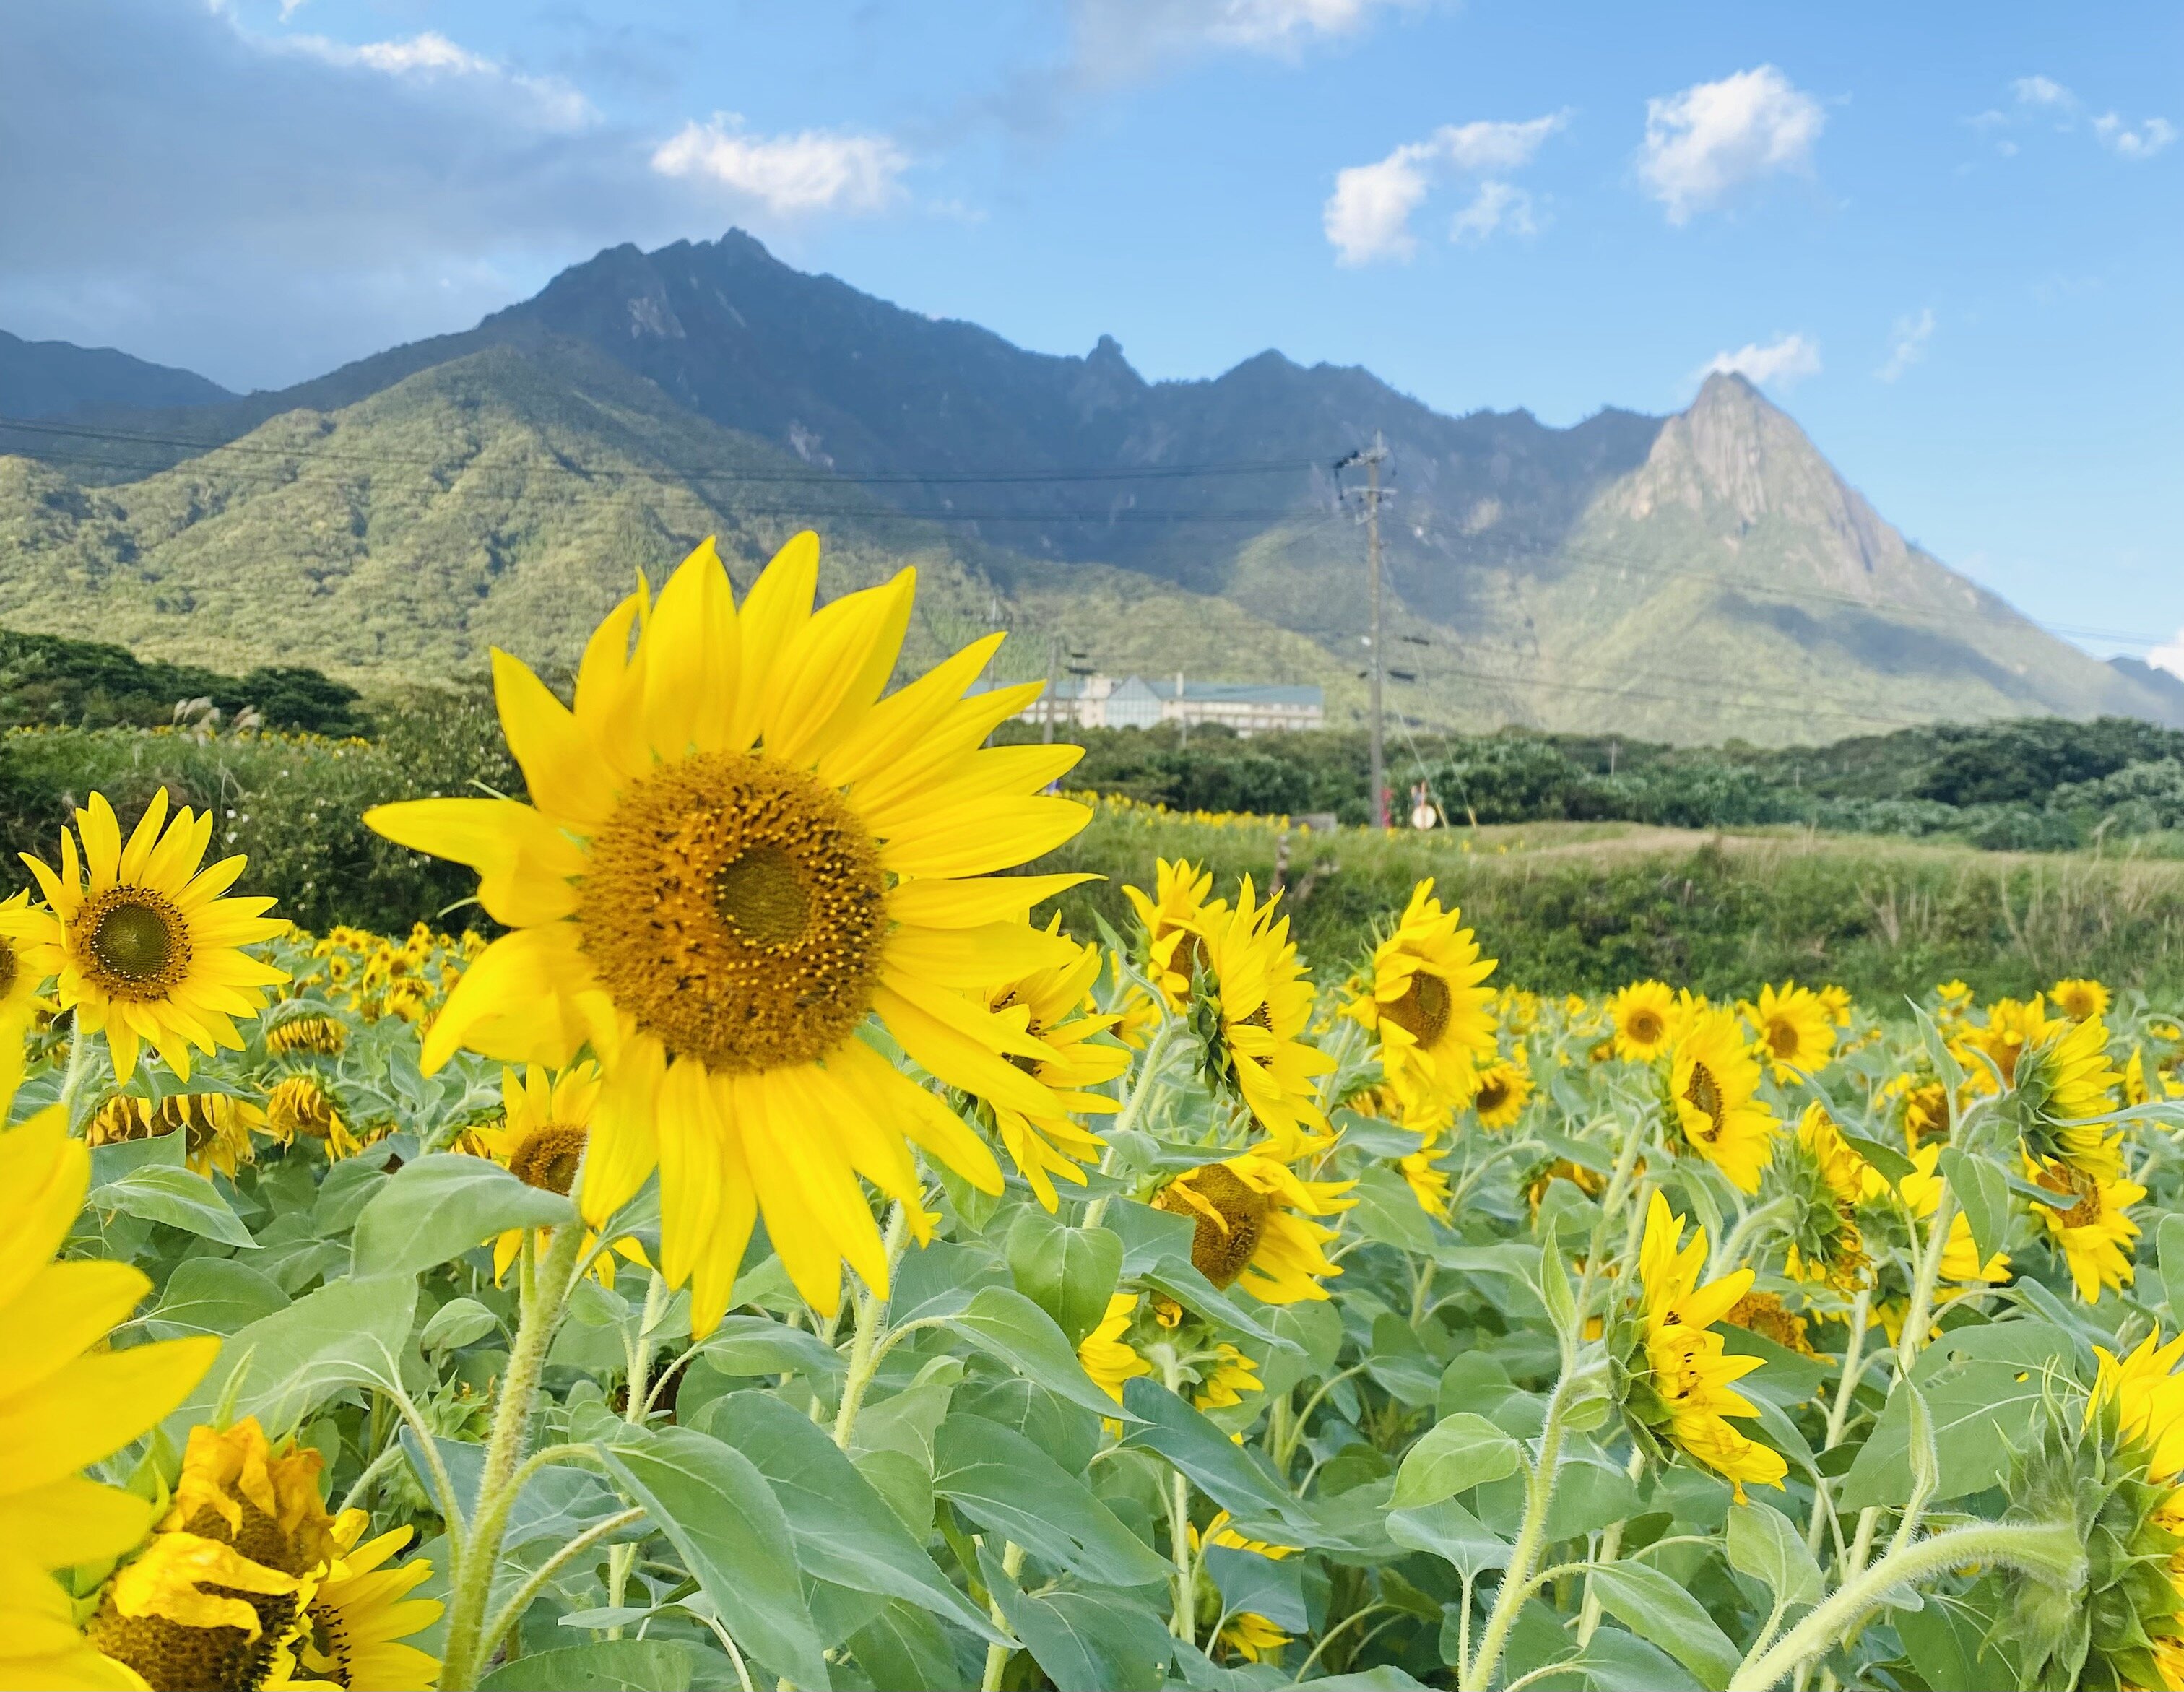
pixel 54 378
pixel 1688 578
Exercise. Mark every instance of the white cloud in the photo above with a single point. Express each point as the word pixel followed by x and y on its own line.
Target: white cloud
pixel 432 58
pixel 2043 92
pixel 812 171
pixel 1497 207
pixel 1111 40
pixel 2170 656
pixel 1783 362
pixel 1703 144
pixel 1907 344
pixel 2143 141
pixel 1368 216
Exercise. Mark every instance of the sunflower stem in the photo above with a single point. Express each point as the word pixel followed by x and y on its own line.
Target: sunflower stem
pixel 1133 1106
pixel 864 1339
pixel 2053 1549
pixel 1919 1316
pixel 1531 1538
pixel 1183 1623
pixel 997 1656
pixel 79 1061
pixel 1861 1314
pixel 546 1292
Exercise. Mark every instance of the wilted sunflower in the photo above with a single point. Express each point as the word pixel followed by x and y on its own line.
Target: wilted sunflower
pixel 299 1108
pixel 1645 1015
pixel 2079 999
pixel 143 946
pixel 312 1034
pixel 1426 1003
pixel 1505 1087
pixel 545 1122
pixel 1106 1356
pixel 1254 1227
pixel 1686 1392
pixel 1251 1027
pixel 68 1402
pixel 1053 1006
pixel 1713 1077
pixel 737 851
pixel 249 1583
pixel 215 1127
pixel 1797 1032
pixel 1172 916
pixel 2094 1232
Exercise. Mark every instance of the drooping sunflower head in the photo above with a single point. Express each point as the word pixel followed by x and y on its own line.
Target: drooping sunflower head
pixel 2090 1224
pixel 1505 1087
pixel 1428 1003
pixel 141 943
pixel 736 851
pixel 1797 1032
pixel 1713 1080
pixel 216 1127
pixel 301 1108
pixel 1253 1226
pixel 1251 1023
pixel 309 1034
pixel 1645 1017
pixel 2079 998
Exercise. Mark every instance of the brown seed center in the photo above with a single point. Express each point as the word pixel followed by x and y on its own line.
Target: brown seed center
pixel 1423 1010
pixel 547 1158
pixel 1703 1092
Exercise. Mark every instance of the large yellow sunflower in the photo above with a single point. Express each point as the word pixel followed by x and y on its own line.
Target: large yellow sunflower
pixel 1254 1227
pixel 2095 1233
pixel 1688 1372
pixel 1713 1075
pixel 142 945
pixel 249 1584
pixel 64 1404
pixel 1172 916
pixel 1427 1003
pixel 1054 1006
pixel 1796 1030
pixel 1251 1031
pixel 735 853
pixel 1645 1015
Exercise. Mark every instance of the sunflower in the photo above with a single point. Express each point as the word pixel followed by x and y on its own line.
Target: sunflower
pixel 1644 1015
pixel 1252 1023
pixel 1826 1180
pixel 68 1402
pixel 1427 1180
pixel 1228 1375
pixel 299 1108
pixel 736 852
pixel 1254 1227
pixel 2061 1080
pixel 1962 1271
pixel 1250 1635
pixel 2094 1233
pixel 1426 1002
pixel 540 1139
pixel 216 1126
pixel 1922 1108
pixel 20 1003
pixel 2012 1027
pixel 1106 1356
pixel 1713 1075
pixel 1839 1003
pixel 312 1035
pixel 1172 916
pixel 2079 999
pixel 1765 1314
pixel 1687 1376
pixel 1053 1006
pixel 1797 1031
pixel 249 1583
pixel 1505 1086
pixel 144 947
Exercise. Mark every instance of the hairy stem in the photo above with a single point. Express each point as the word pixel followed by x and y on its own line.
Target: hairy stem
pixel 1516 1580
pixel 864 1338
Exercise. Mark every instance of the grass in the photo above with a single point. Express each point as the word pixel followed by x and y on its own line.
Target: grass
pixel 1590 906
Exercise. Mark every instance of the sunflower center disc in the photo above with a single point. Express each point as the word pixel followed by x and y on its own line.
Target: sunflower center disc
pixel 1493 1094
pixel 737 910
pixel 1783 1039
pixel 1423 1009
pixel 9 965
pixel 1704 1092
pixel 1219 1254
pixel 547 1158
pixel 1645 1028
pixel 133 942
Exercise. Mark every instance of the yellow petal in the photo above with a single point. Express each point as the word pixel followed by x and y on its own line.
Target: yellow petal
pixel 834 669
pixel 524 862
pixel 957 1058
pixel 624 1144
pixel 561 766
pixel 983 836
pixel 948 904
pixel 693 651
pixel 521 1001
pixel 95 1406
pixel 73 1521
pixel 974 958
pixel 901 721
pixel 778 604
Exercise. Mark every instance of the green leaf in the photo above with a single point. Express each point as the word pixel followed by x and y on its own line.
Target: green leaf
pixel 212 1295
pixel 557 1503
pixel 1385 1210
pixel 1456 1453
pixel 1764 1543
pixel 1960 1643
pixel 1983 1386
pixel 1449 1532
pixel 1555 1294
pixel 1237 1477
pixel 1068 1272
pixel 905 1650
pixel 1982 1192
pixel 347 1333
pixel 2170 1237
pixel 1889 1160
pixel 181 1198
pixel 609 1665
pixel 1004 1323
pixel 844 1529
pixel 436 1208
pixel 456 1324
pixel 1103 1639
pixel 1003 1482
pixel 1662 1614
pixel 732 1535
pixel 1272 1587
pixel 1400 1363
pixel 759 1346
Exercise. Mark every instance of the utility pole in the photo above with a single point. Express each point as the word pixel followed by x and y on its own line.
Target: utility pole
pixel 1372 458
pixel 1053 676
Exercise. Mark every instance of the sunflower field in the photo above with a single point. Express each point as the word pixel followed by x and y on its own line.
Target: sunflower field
pixel 780 1258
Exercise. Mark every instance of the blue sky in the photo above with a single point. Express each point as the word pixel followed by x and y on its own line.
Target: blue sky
pixel 1949 240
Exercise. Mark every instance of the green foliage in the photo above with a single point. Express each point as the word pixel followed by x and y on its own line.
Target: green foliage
pixel 46 681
